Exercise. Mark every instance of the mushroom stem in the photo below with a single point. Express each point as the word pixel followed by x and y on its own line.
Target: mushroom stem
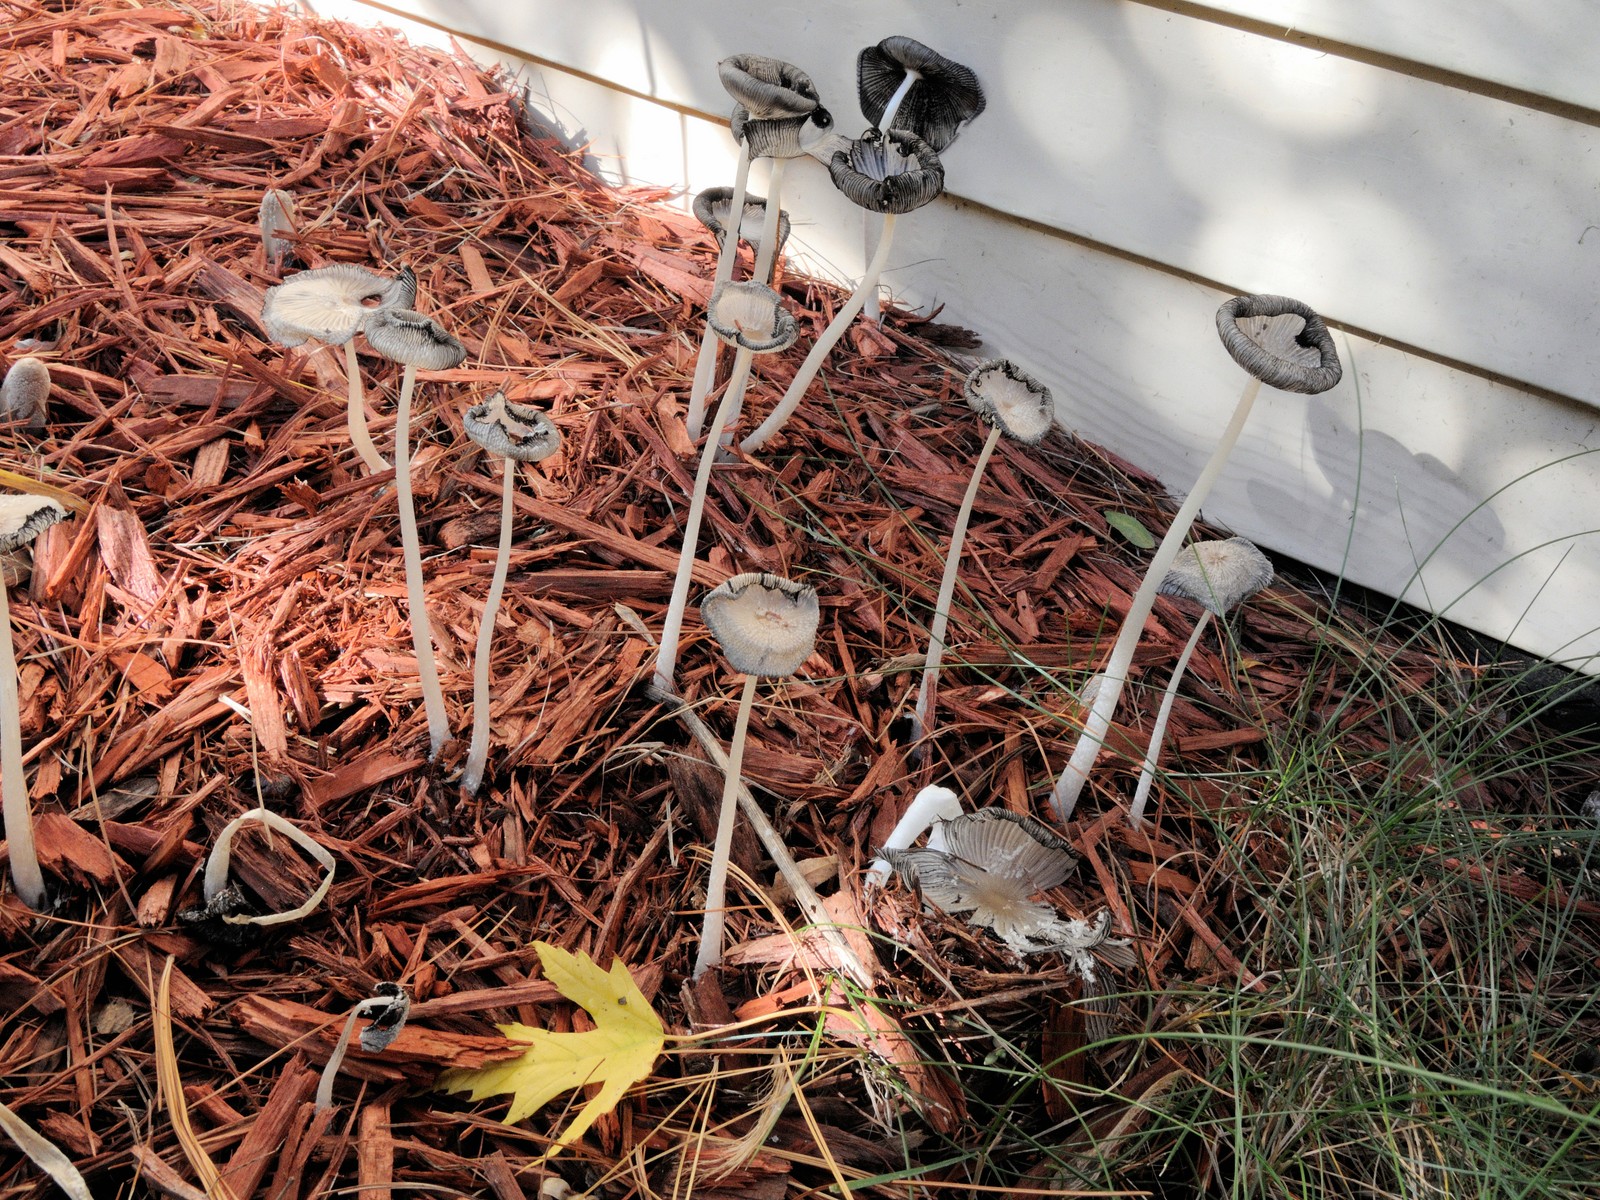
pixel 766 256
pixel 947 590
pixel 215 879
pixel 705 366
pixel 711 934
pixel 17 812
pixel 416 594
pixel 1147 773
pixel 835 330
pixel 672 627
pixel 1064 797
pixel 356 414
pixel 478 752
pixel 931 804
pixel 885 123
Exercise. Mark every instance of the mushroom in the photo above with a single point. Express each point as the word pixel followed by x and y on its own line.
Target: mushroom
pixel 22 518
pixel 766 626
pixel 932 804
pixel 274 219
pixel 752 317
pixel 713 208
pixel 1279 341
pixel 1219 576
pixel 223 902
pixel 331 305
pixel 388 1006
pixel 25 394
pixel 1014 403
pixel 415 341
pixel 518 434
pixel 902 84
pixel 880 182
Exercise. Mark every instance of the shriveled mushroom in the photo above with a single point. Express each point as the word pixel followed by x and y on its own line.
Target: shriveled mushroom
pixel 25 394
pixel 388 1006
pixel 274 219
pixel 928 808
pixel 713 208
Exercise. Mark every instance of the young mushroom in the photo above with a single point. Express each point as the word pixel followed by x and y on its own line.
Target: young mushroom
pixel 1018 405
pixel 1219 576
pixel 1279 341
pixel 766 626
pixel 518 434
pixel 22 518
pixel 25 394
pixel 274 219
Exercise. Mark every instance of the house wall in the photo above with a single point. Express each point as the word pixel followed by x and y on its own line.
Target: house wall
pixel 1421 174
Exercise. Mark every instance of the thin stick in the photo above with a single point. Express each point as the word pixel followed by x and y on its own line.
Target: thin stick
pixel 416 593
pixel 712 933
pixel 478 752
pixel 14 804
pixel 705 366
pixel 356 414
pixel 1147 774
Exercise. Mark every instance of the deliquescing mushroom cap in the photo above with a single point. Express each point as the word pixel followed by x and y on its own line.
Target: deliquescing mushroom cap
pixel 24 517
pixel 1281 342
pixel 768 88
pixel 881 182
pixel 25 392
pixel 765 624
pixel 512 430
pixel 752 316
pixel 332 304
pixel 1220 574
pixel 404 336
pixel 713 209
pixel 1003 394
pixel 945 97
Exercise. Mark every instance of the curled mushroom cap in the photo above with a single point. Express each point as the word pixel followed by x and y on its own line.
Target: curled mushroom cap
pixel 332 304
pixel 24 517
pixel 1003 394
pixel 752 316
pixel 1220 574
pixel 1281 342
pixel 765 624
pixel 943 98
pixel 713 208
pixel 512 430
pixel 869 175
pixel 404 336
pixel 25 393
pixel 768 88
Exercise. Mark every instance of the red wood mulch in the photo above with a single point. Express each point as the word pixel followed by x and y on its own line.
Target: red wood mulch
pixel 228 556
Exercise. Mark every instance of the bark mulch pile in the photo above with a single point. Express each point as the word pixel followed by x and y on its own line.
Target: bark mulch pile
pixel 224 619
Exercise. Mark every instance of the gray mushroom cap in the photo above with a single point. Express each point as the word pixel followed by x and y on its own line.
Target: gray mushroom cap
pixel 274 219
pixel 713 209
pixel 765 624
pixel 332 304
pixel 1220 574
pixel 1281 342
pixel 24 516
pixel 511 430
pixel 870 176
pixel 404 336
pixel 768 88
pixel 1003 394
pixel 25 393
pixel 944 99
pixel 752 316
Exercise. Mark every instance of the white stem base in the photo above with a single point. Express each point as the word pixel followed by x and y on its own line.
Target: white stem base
pixel 14 802
pixel 478 750
pixel 712 933
pixel 416 590
pixel 1147 774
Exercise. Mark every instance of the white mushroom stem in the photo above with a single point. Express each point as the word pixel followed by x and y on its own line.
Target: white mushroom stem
pixel 1147 774
pixel 733 397
pixel 885 123
pixel 416 593
pixel 705 366
pixel 16 807
pixel 478 751
pixel 835 330
pixel 356 414
pixel 713 931
pixel 931 804
pixel 1064 797
pixel 216 876
pixel 371 1005
pixel 947 591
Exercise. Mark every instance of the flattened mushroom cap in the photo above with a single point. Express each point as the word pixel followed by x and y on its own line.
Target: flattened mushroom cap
pixel 25 393
pixel 24 517
pixel 945 97
pixel 512 430
pixel 1281 342
pixel 1003 394
pixel 870 176
pixel 713 209
pixel 752 316
pixel 768 88
pixel 332 304
pixel 404 336
pixel 1220 574
pixel 765 624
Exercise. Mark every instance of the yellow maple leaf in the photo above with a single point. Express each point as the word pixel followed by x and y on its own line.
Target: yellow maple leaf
pixel 621 1050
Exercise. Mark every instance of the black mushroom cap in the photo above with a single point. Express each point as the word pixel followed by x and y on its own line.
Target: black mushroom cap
pixel 712 208
pixel 408 337
pixel 1281 342
pixel 768 88
pixel 945 97
pixel 781 137
pixel 511 430
pixel 870 176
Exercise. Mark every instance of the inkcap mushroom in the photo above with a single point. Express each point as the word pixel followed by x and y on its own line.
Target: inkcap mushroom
pixel 274 219
pixel 25 394
pixel 903 84
pixel 933 804
pixel 388 1006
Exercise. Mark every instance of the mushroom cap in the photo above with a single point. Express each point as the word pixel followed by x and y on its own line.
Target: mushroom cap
pixel 1220 574
pixel 781 137
pixel 24 517
pixel 403 335
pixel 1281 342
pixel 511 430
pixel 25 393
pixel 752 316
pixel 945 97
pixel 870 176
pixel 276 217
pixel 332 304
pixel 765 624
pixel 713 209
pixel 768 88
pixel 1003 394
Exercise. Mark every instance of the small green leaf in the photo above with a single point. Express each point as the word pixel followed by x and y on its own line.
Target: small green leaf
pixel 1130 528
